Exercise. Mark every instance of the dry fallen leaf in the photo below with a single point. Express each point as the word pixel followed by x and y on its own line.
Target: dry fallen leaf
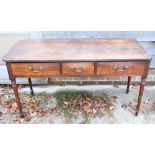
pixel 73 102
pixel 76 113
pixel 21 120
pixel 111 107
pixel 14 105
pixel 31 110
pixel 94 111
pixel 12 110
pixel 55 112
pixel 66 103
pixel 87 110
pixel 50 121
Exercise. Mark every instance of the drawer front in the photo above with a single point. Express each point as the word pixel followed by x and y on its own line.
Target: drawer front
pixel 78 68
pixel 120 68
pixel 35 69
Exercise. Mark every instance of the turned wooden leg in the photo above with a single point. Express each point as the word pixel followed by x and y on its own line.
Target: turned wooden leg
pixel 15 89
pixel 30 84
pixel 128 85
pixel 141 90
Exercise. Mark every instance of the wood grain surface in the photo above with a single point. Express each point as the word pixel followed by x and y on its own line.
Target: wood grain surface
pixel 35 69
pixel 50 50
pixel 121 68
pixel 78 68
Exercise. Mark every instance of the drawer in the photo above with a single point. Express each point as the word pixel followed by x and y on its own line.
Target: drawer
pixel 35 69
pixel 120 68
pixel 78 68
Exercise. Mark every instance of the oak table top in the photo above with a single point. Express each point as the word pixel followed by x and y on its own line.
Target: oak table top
pixel 50 50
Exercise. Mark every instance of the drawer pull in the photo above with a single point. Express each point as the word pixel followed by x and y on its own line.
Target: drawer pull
pixel 116 67
pixel 30 68
pixel 121 70
pixel 78 69
pixel 126 67
pixel 35 71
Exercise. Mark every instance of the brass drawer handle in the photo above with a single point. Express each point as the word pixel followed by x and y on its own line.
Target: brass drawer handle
pixel 35 71
pixel 120 70
pixel 116 67
pixel 126 67
pixel 78 69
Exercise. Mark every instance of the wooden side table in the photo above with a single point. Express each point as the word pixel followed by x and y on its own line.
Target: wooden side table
pixel 77 57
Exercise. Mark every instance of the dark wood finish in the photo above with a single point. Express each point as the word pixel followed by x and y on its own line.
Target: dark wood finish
pixel 77 57
pixel 100 49
pixel 35 69
pixel 15 89
pixel 78 68
pixel 30 84
pixel 142 84
pixel 141 90
pixel 121 68
pixel 128 85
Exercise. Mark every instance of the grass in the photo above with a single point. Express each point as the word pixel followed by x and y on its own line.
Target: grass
pixel 67 96
pixel 7 91
pixel 70 95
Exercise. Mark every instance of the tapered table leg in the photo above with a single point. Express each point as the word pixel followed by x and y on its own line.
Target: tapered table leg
pixel 15 89
pixel 30 84
pixel 128 84
pixel 141 90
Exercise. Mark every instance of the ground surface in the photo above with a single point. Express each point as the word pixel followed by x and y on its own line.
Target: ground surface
pixel 45 108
